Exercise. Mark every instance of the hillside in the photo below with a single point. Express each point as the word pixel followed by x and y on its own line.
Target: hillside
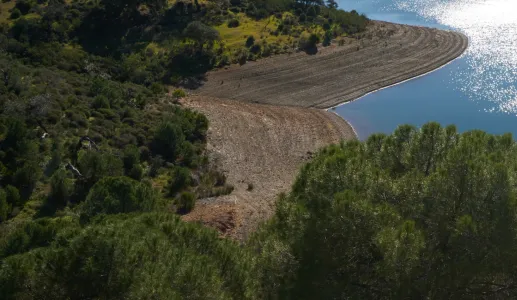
pixel 83 95
pixel 384 54
pixel 260 148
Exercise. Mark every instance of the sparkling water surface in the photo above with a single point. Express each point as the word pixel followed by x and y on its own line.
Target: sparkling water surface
pixel 476 91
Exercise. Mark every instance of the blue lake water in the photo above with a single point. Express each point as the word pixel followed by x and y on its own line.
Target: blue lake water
pixel 476 91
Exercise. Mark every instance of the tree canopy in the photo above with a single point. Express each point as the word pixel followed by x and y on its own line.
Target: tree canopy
pixel 146 256
pixel 422 213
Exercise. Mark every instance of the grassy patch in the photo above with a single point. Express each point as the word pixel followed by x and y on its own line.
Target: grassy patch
pixel 5 13
pixel 266 34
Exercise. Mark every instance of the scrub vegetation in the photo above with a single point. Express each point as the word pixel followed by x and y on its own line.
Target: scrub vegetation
pixel 421 213
pixel 97 159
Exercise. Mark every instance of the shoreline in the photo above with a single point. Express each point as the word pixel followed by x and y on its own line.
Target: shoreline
pixel 400 82
pixel 385 55
pixel 332 109
pixel 346 121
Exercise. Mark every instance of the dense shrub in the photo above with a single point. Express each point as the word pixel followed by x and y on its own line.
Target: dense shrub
pixel 5 208
pixel 233 23
pixel 186 202
pixel 148 255
pixel 179 180
pixel 167 140
pixel 179 93
pixel 61 189
pixel 113 195
pixel 250 41
pixel 309 43
pixel 15 13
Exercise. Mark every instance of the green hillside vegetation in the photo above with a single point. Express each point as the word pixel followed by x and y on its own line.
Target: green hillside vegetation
pixel 83 92
pixel 97 160
pixel 422 213
pixel 160 41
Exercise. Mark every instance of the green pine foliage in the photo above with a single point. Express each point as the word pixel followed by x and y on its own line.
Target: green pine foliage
pixel 113 195
pixel 422 213
pixel 136 256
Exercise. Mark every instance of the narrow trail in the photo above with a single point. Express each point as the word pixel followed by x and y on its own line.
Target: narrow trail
pixel 388 53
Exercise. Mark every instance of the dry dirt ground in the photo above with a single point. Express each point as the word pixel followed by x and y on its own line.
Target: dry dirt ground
pixel 264 138
pixel 259 145
pixel 386 54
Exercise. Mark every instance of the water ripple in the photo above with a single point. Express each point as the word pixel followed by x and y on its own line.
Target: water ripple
pixel 491 26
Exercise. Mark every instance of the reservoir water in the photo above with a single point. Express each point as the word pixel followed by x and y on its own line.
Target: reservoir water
pixel 476 91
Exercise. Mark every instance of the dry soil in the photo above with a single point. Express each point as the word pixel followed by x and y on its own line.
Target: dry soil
pixel 262 146
pixel 386 54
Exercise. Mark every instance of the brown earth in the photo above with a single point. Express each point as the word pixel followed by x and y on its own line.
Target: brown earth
pixel 263 146
pixel 258 145
pixel 386 54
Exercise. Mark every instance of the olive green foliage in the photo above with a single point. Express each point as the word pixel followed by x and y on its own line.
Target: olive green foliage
pixel 76 115
pixel 233 23
pixel 420 214
pixel 61 188
pixel 179 93
pixel 180 179
pixel 4 206
pixel 250 41
pixel 97 165
pixel 186 202
pixel 126 257
pixel 114 195
pixel 147 42
pixel 309 43
pixel 24 236
pixel 173 138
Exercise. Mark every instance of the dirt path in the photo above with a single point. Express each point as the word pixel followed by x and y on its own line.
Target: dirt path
pixel 388 53
pixel 262 145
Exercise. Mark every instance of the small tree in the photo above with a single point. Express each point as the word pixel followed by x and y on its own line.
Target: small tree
pixel 13 195
pixel 233 23
pixel 60 189
pixel 15 14
pixel 4 206
pixel 167 140
pixel 180 179
pixel 186 202
pixel 250 41
pixel 313 40
pixel 131 157
pixel 201 33
pixel 113 195
pixel 327 40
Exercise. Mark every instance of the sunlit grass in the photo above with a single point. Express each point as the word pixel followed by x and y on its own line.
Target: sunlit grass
pixel 264 31
pixel 5 13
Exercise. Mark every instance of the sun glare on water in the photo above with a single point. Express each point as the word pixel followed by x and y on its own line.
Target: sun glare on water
pixel 491 26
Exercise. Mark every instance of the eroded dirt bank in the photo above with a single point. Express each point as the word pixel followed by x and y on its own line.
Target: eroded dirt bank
pixel 262 146
pixel 387 53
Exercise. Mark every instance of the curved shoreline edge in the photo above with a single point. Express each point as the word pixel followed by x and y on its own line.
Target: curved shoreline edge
pixel 403 81
pixel 384 55
pixel 331 109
